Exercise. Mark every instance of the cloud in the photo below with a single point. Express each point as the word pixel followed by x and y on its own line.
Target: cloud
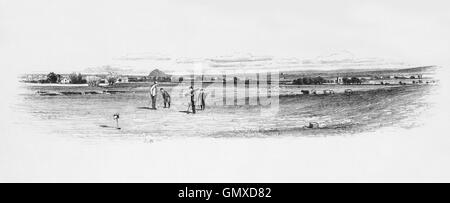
pixel 108 69
pixel 189 61
pixel 245 65
pixel 337 57
pixel 242 62
pixel 348 60
pixel 248 62
pixel 240 59
pixel 145 57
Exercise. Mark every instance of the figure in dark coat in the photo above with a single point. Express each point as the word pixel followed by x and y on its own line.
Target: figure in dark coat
pixel 166 98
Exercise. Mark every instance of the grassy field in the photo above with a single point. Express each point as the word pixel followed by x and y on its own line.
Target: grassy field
pixel 368 108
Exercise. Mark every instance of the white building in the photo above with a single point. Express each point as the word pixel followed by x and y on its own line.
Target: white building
pixel 122 80
pixel 65 80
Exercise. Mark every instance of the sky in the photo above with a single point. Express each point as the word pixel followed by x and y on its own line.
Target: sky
pixel 72 35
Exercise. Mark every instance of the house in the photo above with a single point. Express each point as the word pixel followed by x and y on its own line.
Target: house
pixel 35 77
pixel 427 76
pixel 122 79
pixel 65 80
pixel 372 82
pixel 331 80
pixel 135 79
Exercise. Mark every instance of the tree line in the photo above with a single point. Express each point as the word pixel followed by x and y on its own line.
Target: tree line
pixel 352 81
pixel 57 78
pixel 320 81
pixel 309 81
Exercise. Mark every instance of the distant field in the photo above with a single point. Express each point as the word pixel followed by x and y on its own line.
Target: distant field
pixel 137 87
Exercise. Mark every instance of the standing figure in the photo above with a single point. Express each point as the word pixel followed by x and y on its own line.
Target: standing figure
pixel 116 118
pixel 202 99
pixel 192 94
pixel 166 98
pixel 153 94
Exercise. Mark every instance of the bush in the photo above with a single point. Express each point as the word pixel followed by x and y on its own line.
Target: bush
pixel 352 81
pixel 43 81
pixel 111 80
pixel 309 81
pixel 77 79
pixel 93 81
pixel 53 78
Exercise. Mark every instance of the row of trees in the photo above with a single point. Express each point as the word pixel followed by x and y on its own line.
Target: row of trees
pixel 309 81
pixel 320 81
pixel 77 79
pixel 352 81
pixel 56 78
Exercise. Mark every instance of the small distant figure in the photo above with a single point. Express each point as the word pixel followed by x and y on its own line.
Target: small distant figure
pixel 166 98
pixel 116 118
pixel 153 94
pixel 192 94
pixel 202 98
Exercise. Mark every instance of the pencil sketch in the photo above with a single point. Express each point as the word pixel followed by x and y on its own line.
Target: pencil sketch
pixel 230 96
pixel 224 91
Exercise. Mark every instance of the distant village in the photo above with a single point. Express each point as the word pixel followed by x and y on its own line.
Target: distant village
pixel 420 75
pixel 95 79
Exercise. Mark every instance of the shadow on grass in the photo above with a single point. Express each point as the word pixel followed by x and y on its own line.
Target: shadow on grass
pixel 146 108
pixel 105 126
